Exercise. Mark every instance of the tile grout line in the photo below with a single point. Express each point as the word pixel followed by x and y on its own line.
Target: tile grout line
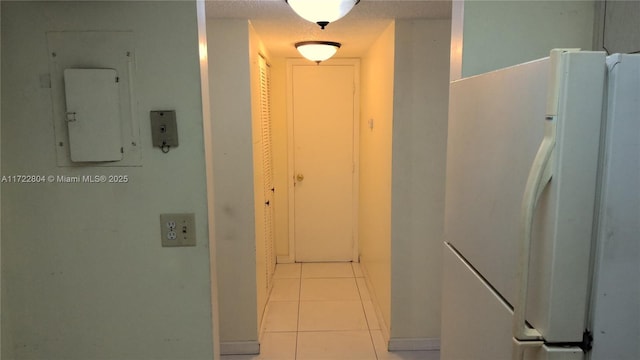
pixel 295 354
pixel 373 344
pixel 299 305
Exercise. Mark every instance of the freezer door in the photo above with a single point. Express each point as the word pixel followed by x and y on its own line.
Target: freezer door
pixel 476 321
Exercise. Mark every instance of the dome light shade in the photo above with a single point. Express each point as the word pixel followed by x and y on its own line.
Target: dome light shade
pixel 317 50
pixel 322 12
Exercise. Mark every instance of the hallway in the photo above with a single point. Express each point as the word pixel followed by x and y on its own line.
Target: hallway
pixel 323 311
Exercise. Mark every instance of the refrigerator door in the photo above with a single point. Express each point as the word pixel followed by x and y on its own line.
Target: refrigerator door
pixel 616 303
pixel 496 123
pixel 561 243
pixel 478 320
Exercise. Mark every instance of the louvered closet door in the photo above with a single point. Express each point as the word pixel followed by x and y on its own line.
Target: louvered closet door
pixel 267 168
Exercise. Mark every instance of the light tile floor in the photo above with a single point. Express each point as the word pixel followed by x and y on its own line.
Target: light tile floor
pixel 323 311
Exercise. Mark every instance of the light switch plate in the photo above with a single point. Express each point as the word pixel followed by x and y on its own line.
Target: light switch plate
pixel 164 129
pixel 178 229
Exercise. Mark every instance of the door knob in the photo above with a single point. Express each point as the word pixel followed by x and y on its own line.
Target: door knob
pixel 299 177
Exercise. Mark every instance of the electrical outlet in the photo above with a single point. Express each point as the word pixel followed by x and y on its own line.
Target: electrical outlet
pixel 178 229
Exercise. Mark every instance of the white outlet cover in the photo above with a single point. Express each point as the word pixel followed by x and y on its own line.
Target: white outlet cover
pixel 178 229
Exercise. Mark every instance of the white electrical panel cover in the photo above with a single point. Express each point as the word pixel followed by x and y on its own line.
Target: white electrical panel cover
pixel 93 115
pixel 97 50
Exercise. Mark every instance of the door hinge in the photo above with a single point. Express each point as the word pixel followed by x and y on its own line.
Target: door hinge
pixel 587 341
pixel 71 116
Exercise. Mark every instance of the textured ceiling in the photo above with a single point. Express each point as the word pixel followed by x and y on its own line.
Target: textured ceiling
pixel 280 28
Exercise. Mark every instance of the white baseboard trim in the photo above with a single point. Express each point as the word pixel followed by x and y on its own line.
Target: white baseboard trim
pixel 239 348
pixel 397 344
pixel 284 259
pixel 414 344
pixel 384 328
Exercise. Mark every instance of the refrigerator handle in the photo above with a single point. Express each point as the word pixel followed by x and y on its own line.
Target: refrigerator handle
pixel 539 176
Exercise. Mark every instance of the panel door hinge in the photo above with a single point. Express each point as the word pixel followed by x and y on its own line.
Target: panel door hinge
pixel 71 116
pixel 587 341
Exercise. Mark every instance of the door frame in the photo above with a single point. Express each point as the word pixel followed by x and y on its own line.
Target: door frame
pixel 356 149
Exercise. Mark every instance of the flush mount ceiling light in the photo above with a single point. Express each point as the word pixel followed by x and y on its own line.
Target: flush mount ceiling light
pixel 317 50
pixel 322 12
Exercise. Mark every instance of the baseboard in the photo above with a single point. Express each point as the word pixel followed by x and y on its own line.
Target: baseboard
pixel 397 344
pixel 240 348
pixel 414 344
pixel 384 328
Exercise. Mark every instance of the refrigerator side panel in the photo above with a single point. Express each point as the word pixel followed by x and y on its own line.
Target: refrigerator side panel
pixel 616 301
pixel 496 123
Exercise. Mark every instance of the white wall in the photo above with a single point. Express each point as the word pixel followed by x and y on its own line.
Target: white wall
pixel 83 272
pixel 420 105
pixel 209 169
pixel 230 86
pixel 402 169
pixel 0 184
pixel 374 221
pixel 616 27
pixel 489 35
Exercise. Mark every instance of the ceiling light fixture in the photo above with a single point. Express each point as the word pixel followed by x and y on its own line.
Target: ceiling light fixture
pixel 322 12
pixel 317 50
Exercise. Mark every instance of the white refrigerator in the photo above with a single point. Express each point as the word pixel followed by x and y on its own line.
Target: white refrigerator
pixel 542 215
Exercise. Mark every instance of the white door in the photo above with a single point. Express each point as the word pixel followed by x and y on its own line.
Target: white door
pixel 267 169
pixel 323 112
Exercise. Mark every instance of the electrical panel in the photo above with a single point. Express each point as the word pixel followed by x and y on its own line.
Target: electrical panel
pixel 93 115
pixel 96 52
